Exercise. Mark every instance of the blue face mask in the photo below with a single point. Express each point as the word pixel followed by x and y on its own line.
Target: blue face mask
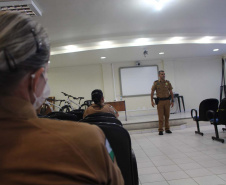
pixel 45 94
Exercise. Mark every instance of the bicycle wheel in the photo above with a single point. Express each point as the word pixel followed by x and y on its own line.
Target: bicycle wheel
pixel 65 108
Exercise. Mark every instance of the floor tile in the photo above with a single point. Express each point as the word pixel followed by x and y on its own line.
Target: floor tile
pixel 175 175
pixel 151 178
pixel 198 172
pixel 189 166
pixel 209 180
pixel 149 170
pixel 169 168
pixel 163 162
pixel 183 160
pixel 183 182
pixel 218 170
pixel 145 164
pixel 156 183
pixel 223 176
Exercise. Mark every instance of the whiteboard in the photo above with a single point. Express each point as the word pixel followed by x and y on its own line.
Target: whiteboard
pixel 137 81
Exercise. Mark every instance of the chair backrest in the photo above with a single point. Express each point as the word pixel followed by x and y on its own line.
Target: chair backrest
pixel 120 142
pixel 79 113
pixel 61 116
pixel 88 102
pixel 205 105
pixel 222 112
pixel 101 119
pixel 101 114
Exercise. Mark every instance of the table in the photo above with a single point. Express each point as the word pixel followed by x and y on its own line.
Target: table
pixel 119 106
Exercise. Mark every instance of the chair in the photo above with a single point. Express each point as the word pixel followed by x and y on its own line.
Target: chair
pixel 101 114
pixel 120 142
pixel 60 116
pixel 205 105
pixel 102 117
pixel 78 112
pixel 218 118
pixel 102 120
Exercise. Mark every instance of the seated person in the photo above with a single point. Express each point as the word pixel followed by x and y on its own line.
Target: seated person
pixel 99 106
pixel 34 150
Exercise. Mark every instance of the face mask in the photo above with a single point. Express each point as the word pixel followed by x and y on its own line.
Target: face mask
pixel 41 99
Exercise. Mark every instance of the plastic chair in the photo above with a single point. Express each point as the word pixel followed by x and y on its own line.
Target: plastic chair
pixel 218 118
pixel 205 105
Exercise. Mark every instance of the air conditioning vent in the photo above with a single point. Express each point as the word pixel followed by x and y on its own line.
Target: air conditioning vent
pixel 27 7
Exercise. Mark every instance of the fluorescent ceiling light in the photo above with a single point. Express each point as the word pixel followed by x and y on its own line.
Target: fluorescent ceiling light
pixel 71 48
pixel 102 57
pixel 105 43
pixel 27 7
pixel 216 50
pixel 142 41
pixel 176 39
pixel 206 39
pixel 158 4
pixel 161 53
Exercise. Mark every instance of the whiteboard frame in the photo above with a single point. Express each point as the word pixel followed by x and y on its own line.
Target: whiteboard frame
pixel 120 78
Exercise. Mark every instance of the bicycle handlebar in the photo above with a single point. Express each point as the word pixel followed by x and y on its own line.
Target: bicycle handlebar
pixel 60 100
pixel 70 96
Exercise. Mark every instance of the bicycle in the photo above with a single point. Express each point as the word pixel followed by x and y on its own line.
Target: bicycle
pixel 68 107
pixel 47 106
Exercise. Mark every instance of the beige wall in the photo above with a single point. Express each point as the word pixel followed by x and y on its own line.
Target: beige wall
pixel 194 78
pixel 78 81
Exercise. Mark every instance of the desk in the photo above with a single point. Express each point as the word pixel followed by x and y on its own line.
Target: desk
pixel 119 106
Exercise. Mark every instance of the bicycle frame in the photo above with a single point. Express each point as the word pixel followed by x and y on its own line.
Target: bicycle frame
pixel 71 102
pixel 49 104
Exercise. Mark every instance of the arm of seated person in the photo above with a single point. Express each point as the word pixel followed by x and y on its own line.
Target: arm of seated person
pixel 113 111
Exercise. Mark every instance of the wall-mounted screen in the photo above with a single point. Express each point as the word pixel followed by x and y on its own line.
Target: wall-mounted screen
pixel 137 81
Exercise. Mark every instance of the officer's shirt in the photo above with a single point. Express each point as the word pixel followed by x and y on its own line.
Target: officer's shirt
pixel 162 88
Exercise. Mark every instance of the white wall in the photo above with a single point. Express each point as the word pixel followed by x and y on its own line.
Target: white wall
pixel 194 78
pixel 77 81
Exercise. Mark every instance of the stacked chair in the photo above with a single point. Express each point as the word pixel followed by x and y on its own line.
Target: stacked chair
pixel 204 107
pixel 218 117
pixel 120 142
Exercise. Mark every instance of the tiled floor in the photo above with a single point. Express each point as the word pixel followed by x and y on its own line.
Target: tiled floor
pixel 180 158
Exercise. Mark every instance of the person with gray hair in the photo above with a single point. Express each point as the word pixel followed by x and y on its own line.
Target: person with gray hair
pixel 37 150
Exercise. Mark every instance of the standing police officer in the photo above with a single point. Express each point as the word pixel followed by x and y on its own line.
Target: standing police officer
pixel 164 93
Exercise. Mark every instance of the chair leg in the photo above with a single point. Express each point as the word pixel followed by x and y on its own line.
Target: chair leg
pixel 217 135
pixel 198 129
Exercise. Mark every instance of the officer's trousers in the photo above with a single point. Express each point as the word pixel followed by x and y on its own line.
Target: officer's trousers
pixel 163 108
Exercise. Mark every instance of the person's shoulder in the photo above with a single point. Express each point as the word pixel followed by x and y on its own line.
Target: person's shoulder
pixel 107 105
pixel 66 128
pixel 155 82
pixel 167 81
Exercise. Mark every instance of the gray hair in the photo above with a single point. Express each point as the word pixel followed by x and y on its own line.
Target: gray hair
pixel 24 48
